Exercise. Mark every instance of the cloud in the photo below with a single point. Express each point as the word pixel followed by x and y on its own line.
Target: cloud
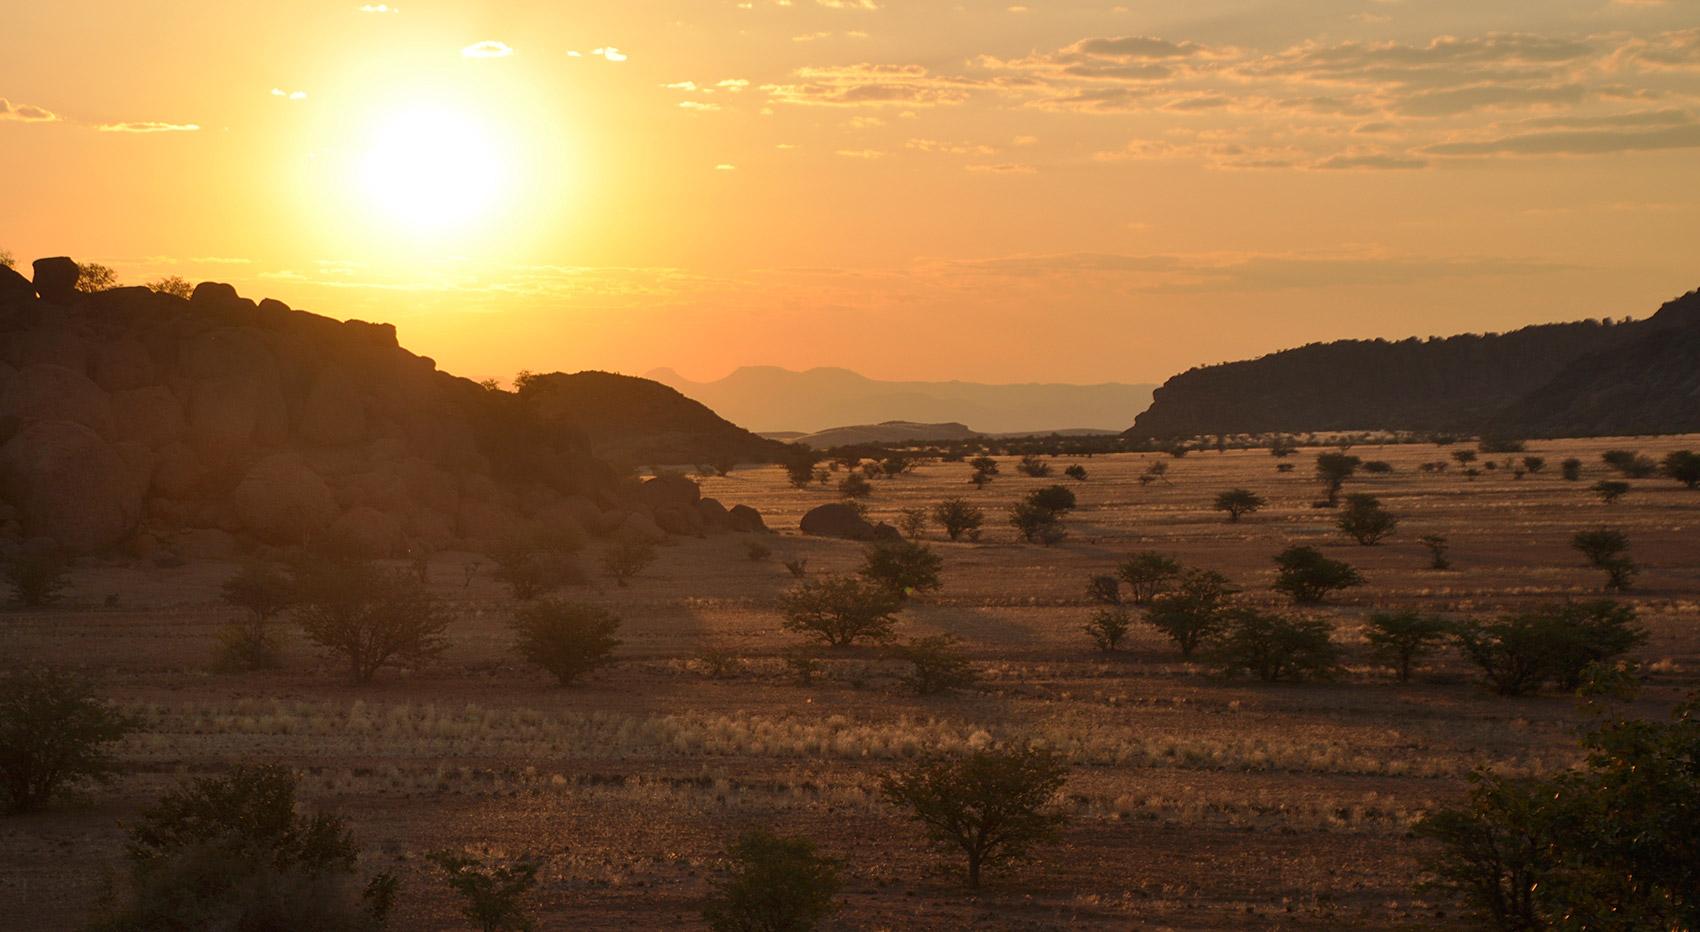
pixel 698 106
pixel 25 113
pixel 870 85
pixel 1002 168
pixel 1371 161
pixel 849 4
pixel 610 53
pixel 289 95
pixel 148 127
pixel 1577 142
pixel 489 48
pixel 377 8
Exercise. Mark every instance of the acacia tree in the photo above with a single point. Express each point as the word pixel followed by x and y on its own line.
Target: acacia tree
pixel 368 617
pixel 54 733
pixel 1148 573
pixel 1274 648
pixel 993 805
pixel 903 567
pixel 1194 612
pixel 841 610
pixel 1365 521
pixel 1308 577
pixel 1237 502
pixel 958 516
pixel 1401 639
pixel 1608 549
pixel 1683 466
pixel 1552 643
pixel 1332 470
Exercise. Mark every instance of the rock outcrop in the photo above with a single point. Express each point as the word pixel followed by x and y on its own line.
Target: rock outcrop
pixel 140 422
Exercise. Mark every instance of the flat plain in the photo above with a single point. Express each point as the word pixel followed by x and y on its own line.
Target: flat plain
pixel 1197 801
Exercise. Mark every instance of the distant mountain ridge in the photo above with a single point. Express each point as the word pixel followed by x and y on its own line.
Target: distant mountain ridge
pixel 771 399
pixel 1588 378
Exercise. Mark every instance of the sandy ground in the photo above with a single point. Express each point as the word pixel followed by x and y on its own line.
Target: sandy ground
pixel 1197 801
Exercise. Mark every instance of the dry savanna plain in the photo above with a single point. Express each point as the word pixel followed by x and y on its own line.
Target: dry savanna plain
pixel 1195 800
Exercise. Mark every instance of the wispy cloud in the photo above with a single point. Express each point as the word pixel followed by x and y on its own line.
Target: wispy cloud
pixel 148 126
pixel 489 48
pixel 26 113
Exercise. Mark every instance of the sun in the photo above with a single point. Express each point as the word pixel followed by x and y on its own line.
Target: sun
pixel 431 169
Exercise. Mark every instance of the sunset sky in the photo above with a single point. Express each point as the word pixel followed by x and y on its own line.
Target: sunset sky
pixel 1060 190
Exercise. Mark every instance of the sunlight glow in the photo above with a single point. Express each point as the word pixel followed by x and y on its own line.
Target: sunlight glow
pixel 432 169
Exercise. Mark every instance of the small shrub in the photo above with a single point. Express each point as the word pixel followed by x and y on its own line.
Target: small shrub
pixel 1194 612
pixel 1154 471
pixel 776 884
pixel 1105 590
pixel 992 805
pixel 1033 466
pixel 1076 472
pixel 1607 549
pixel 984 468
pixel 627 557
pixel 1274 648
pixel 1148 574
pixel 1284 467
pixel 1610 490
pixel 757 551
pixel 1365 521
pixel 854 485
pixel 38 575
pixel 1308 577
pixel 1332 470
pixel 958 516
pixel 1237 502
pixel 1534 464
pixel 841 610
pixel 262 593
pixel 1437 547
pixel 718 663
pixel 530 570
pixel 804 666
pixel 1037 525
pixel 913 522
pixel 1683 466
pixel 1630 463
pixel 1108 627
pixel 93 277
pixel 566 639
pixel 1570 469
pixel 904 567
pixel 1052 498
pixel 935 665
pixel 798 567
pixel 368 617
pixel 53 735
pixel 1401 639
pixel 1464 457
pixel 492 895
pixel 1378 467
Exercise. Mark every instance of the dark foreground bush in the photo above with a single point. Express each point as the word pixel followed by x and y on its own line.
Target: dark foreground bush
pixel 492 894
pixel 1609 846
pixel 1274 648
pixel 231 852
pixel 368 617
pixel 776 884
pixel 840 610
pixel 54 733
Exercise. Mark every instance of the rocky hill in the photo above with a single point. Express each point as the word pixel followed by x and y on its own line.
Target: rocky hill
pixel 886 432
pixel 640 422
pixel 186 427
pixel 1549 379
pixel 771 399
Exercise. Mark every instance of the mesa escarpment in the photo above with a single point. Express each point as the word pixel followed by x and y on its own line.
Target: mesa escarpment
pixel 132 418
pixel 1589 378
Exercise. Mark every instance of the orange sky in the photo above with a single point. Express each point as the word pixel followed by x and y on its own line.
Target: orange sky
pixel 1063 191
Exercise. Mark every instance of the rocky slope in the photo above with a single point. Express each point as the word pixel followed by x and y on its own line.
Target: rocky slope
pixel 1547 379
pixel 130 418
pixel 640 422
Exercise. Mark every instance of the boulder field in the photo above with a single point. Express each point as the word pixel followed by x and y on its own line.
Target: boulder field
pixel 136 420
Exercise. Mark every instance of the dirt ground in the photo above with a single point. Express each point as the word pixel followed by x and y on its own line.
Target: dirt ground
pixel 1196 801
